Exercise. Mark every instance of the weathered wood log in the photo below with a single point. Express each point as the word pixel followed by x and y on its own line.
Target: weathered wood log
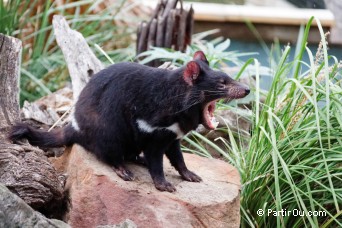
pixel 152 33
pixel 171 20
pixel 81 61
pixel 182 28
pixel 189 27
pixel 142 45
pixel 171 4
pixel 16 213
pixel 10 55
pixel 169 27
pixel 24 169
pixel 152 38
pixel 138 37
pixel 158 10
pixel 160 32
pixel 175 30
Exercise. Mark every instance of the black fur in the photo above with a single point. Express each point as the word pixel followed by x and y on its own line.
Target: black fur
pixel 111 103
pixel 36 137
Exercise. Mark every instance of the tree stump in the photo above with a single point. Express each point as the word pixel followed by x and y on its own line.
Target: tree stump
pixel 24 169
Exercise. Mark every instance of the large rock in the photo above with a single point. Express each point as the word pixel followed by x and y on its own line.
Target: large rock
pixel 14 212
pixel 99 197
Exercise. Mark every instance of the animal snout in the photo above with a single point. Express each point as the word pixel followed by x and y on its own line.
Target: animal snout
pixel 247 91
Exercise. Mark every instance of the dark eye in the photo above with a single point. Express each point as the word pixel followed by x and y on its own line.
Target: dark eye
pixel 222 84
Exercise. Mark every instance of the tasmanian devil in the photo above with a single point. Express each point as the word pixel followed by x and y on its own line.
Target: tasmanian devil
pixel 128 109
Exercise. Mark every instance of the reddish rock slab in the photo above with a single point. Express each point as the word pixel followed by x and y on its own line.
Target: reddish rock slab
pixel 99 197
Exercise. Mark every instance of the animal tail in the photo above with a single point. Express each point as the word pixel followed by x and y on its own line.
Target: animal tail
pixel 41 138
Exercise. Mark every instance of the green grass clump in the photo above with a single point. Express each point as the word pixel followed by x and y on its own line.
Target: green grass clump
pixel 293 160
pixel 9 17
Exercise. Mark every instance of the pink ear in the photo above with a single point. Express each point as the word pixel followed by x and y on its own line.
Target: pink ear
pixel 191 72
pixel 199 55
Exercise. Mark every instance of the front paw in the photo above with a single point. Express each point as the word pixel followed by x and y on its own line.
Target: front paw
pixel 190 176
pixel 164 186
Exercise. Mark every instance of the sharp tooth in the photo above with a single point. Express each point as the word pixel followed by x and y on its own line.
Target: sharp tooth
pixel 214 122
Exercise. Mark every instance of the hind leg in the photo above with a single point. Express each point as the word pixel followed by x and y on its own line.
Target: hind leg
pixel 114 156
pixel 123 172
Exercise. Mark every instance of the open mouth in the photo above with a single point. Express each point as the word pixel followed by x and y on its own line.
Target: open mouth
pixel 209 120
pixel 234 92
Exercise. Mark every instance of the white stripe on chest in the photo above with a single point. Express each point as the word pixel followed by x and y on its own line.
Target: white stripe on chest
pixel 146 127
